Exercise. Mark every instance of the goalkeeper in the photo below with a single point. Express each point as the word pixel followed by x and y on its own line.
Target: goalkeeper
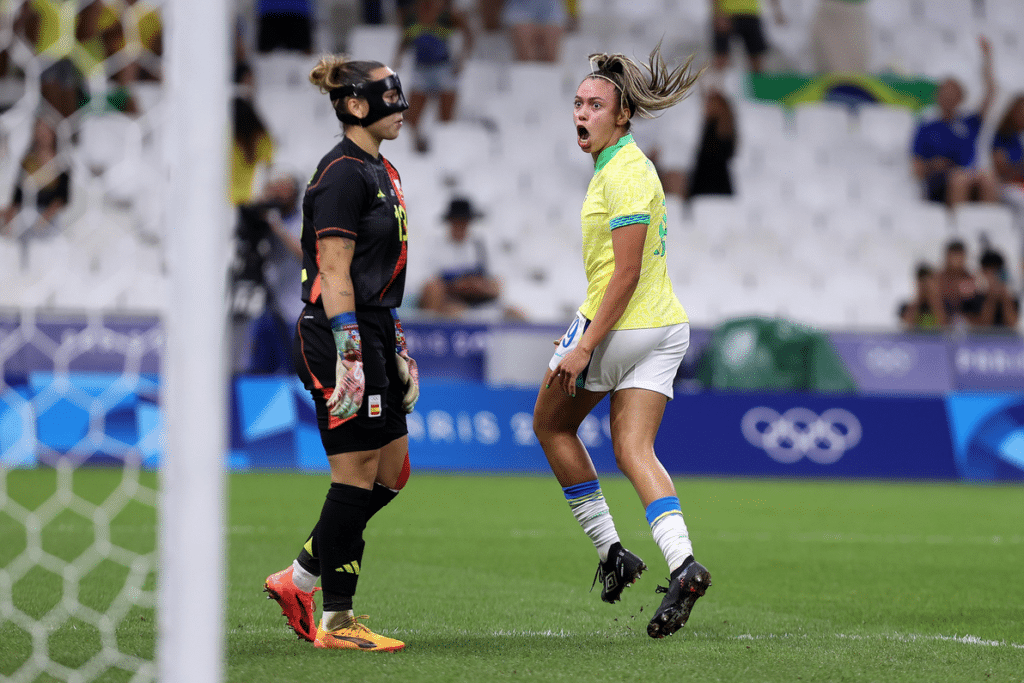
pixel 350 350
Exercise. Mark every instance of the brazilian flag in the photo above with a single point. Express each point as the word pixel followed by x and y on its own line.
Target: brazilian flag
pixel 845 88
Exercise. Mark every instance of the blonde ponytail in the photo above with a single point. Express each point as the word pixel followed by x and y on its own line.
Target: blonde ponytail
pixel 644 93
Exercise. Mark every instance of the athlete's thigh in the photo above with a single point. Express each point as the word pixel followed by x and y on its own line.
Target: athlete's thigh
pixel 635 417
pixel 392 460
pixel 555 411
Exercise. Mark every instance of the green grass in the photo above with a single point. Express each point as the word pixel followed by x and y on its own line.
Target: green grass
pixel 488 578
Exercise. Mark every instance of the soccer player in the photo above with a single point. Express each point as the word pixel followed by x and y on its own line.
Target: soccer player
pixel 349 348
pixel 628 337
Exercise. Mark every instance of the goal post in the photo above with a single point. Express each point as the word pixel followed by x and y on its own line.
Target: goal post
pixel 191 582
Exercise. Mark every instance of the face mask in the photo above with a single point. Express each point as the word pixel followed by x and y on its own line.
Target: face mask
pixel 373 92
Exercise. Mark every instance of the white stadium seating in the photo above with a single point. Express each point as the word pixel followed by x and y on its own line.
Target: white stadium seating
pixel 826 227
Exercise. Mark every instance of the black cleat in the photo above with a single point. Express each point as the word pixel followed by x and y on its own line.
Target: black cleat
pixel 687 583
pixel 621 569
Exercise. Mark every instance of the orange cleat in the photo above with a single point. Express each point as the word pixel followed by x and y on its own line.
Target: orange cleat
pixel 355 636
pixel 295 604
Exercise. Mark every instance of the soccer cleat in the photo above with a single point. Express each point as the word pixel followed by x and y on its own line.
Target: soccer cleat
pixel 355 636
pixel 295 604
pixel 621 569
pixel 687 583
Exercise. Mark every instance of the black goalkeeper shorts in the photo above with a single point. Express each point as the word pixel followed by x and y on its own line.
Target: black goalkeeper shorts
pixel 381 418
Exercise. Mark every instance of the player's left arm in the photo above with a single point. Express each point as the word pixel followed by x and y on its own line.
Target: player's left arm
pixel 987 75
pixel 408 371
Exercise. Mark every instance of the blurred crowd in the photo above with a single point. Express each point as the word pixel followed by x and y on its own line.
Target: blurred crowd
pixel 74 59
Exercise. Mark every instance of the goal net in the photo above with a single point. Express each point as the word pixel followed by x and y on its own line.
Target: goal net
pixel 113 225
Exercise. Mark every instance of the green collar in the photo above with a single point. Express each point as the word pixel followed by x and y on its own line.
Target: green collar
pixel 608 152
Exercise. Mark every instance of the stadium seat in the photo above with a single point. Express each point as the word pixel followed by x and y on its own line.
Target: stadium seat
pixel 461 146
pixel 379 43
pixel 108 139
pixel 951 14
pixel 990 225
pixel 718 215
pixel 823 191
pixel 927 220
pixel 282 70
pixel 761 121
pixel 887 130
pixel 479 83
pixel 15 136
pixel 893 14
pixel 1005 13
pixel 823 125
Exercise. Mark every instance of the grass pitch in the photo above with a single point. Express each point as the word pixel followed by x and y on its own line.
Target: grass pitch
pixel 488 578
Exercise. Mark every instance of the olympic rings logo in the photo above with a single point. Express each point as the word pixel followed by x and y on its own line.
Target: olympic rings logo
pixel 894 361
pixel 801 432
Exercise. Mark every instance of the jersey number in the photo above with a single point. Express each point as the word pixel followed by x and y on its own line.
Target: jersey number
pixel 662 233
pixel 403 223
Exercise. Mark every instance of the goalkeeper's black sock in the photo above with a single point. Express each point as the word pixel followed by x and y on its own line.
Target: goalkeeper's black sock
pixel 308 557
pixel 379 497
pixel 340 544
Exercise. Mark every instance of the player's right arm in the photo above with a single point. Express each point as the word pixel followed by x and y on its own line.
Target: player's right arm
pixel 336 276
pixel 339 203
pixel 339 305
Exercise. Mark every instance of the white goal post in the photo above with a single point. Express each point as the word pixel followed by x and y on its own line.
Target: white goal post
pixel 191 573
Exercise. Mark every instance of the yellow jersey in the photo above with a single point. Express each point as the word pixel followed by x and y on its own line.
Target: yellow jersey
pixel 243 172
pixel 739 7
pixel 140 22
pixel 625 190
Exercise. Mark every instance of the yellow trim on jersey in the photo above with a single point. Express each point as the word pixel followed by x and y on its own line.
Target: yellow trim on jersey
pixel 625 190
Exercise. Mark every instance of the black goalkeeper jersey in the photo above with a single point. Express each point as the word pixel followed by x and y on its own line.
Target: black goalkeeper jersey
pixel 358 197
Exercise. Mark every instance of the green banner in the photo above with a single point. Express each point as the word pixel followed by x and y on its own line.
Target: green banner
pixel 852 89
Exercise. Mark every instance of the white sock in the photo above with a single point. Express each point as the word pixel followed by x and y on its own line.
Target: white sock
pixel 302 579
pixel 332 621
pixel 590 509
pixel 670 534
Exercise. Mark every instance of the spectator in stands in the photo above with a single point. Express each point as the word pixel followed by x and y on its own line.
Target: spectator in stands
pixel 840 36
pixel 926 310
pixel 373 12
pixel 710 173
pixel 741 18
pixel 490 14
pixel 67 64
pixel 285 25
pixel 134 32
pixel 537 27
pixel 1008 156
pixel 251 154
pixel 945 149
pixel 462 286
pixel 245 81
pixel 956 283
pixel 994 304
pixel 44 175
pixel 276 219
pixel 435 70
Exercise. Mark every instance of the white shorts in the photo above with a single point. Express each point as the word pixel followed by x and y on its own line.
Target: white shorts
pixel 643 359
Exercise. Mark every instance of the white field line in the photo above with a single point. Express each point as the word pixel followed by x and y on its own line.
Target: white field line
pixel 898 637
pixel 831 537
pixel 563 633
pixel 823 537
